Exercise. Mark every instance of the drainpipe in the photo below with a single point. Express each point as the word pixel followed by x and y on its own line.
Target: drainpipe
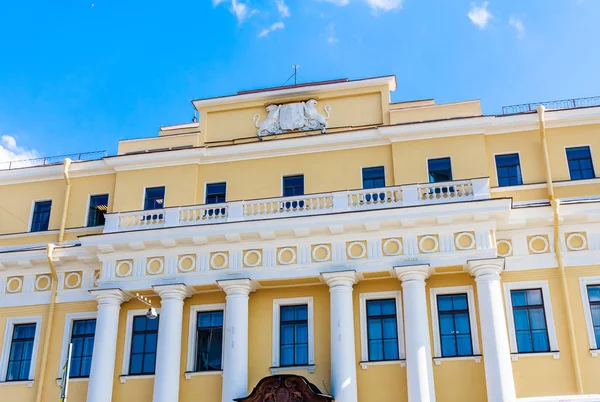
pixel 559 253
pixel 63 222
pixel 40 388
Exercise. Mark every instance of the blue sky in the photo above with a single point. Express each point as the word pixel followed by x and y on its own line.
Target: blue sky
pixel 79 75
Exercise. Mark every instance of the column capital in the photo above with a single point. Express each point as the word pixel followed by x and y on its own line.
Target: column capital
pixel 340 278
pixel 177 291
pixel 236 287
pixel 413 273
pixel 113 296
pixel 489 268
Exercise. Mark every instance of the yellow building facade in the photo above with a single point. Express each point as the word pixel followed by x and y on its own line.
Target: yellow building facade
pixel 384 251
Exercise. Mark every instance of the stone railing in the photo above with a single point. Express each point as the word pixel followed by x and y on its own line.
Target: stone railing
pixel 312 204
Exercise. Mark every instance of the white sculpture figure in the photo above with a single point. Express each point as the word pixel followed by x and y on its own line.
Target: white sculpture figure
pixel 315 120
pixel 271 123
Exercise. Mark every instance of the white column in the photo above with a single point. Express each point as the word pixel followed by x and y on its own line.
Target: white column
pixel 168 352
pixel 496 349
pixel 343 356
pixel 419 369
pixel 102 372
pixel 235 346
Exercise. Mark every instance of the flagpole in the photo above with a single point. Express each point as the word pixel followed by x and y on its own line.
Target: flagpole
pixel 66 371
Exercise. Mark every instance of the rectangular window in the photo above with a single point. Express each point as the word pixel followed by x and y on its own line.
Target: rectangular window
pixel 143 345
pixel 293 335
pixel 293 185
pixel 82 340
pixel 580 163
pixel 382 329
pixel 455 326
pixel 154 198
pixel 96 210
pixel 373 177
pixel 215 193
pixel 41 216
pixel 21 351
pixel 530 320
pixel 508 169
pixel 440 170
pixel 594 298
pixel 209 338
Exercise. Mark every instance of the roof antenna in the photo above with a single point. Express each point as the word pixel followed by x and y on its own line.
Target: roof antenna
pixel 294 75
pixel 195 118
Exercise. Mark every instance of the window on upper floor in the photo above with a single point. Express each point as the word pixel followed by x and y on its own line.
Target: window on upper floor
pixel 82 341
pixel 580 163
pixel 215 193
pixel 293 185
pixel 382 329
pixel 373 177
pixel 40 218
pixel 508 169
pixel 293 335
pixel 154 198
pixel 529 315
pixel 439 170
pixel 454 325
pixel 593 292
pixel 143 345
pixel 96 210
pixel 209 341
pixel 21 352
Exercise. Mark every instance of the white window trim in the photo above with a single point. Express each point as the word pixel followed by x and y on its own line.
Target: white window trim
pixel 33 209
pixel 508 286
pixel 283 176
pixel 566 147
pixel 68 330
pixel 87 212
pixel 214 182
pixel 191 350
pixel 8 335
pixel 277 304
pixel 127 345
pixel 362 179
pixel 587 311
pixel 437 346
pixel 144 196
pixel 364 338
pixel 496 168
pixel 439 157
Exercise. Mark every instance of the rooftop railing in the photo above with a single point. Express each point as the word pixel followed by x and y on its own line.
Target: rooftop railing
pixel 52 160
pixel 304 205
pixel 557 104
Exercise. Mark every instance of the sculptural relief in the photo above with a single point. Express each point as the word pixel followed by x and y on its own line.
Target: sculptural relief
pixel 301 116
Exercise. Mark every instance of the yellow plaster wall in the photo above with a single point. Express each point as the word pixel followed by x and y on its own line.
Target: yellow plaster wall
pixel 81 189
pixel 561 138
pixel 435 112
pixel 154 143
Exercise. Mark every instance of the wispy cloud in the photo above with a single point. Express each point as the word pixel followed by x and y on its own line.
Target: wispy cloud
pixel 11 151
pixel 241 10
pixel 331 38
pixel 384 5
pixel 480 15
pixel 517 23
pixel 338 2
pixel 283 9
pixel 266 31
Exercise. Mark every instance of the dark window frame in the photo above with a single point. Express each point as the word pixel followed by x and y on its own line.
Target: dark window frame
pixel 529 308
pixel 215 197
pixel 448 177
pixel 378 177
pixel 595 326
pixel 30 341
pixel 295 323
pixel 152 203
pixel 144 354
pixel 381 317
pixel 84 336
pixel 453 313
pixel 95 214
pixel 514 174
pixel 211 330
pixel 589 172
pixel 40 220
pixel 292 188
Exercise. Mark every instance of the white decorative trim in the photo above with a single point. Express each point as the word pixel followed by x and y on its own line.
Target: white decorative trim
pixel 29 383
pixel 396 242
pixel 516 356
pixel 436 244
pixel 308 367
pixel 510 247
pixel 320 247
pixel 460 236
pixel 225 261
pixel 364 338
pixel 283 250
pixel 67 332
pixel 579 236
pixel 8 335
pixel 543 239
pixel 508 286
pixel 587 311
pixel 129 271
pixel 363 250
pixel 433 293
pixel 161 265
pixel 277 304
pixel 192 266
pixel 365 365
pixel 258 258
pixel 17 279
pixel 438 360
pixel 123 378
pixel 37 284
pixel 77 283
pixel 191 349
pixel 189 374
pixel 127 346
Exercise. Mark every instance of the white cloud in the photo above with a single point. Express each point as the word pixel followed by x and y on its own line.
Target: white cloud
pixel 283 9
pixel 338 2
pixel 480 16
pixel 331 38
pixel 11 151
pixel 519 26
pixel 241 10
pixel 385 5
pixel 266 31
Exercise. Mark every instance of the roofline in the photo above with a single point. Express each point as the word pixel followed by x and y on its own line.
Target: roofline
pixel 323 86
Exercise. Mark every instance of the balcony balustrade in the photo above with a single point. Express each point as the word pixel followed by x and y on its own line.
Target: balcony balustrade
pixel 304 205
